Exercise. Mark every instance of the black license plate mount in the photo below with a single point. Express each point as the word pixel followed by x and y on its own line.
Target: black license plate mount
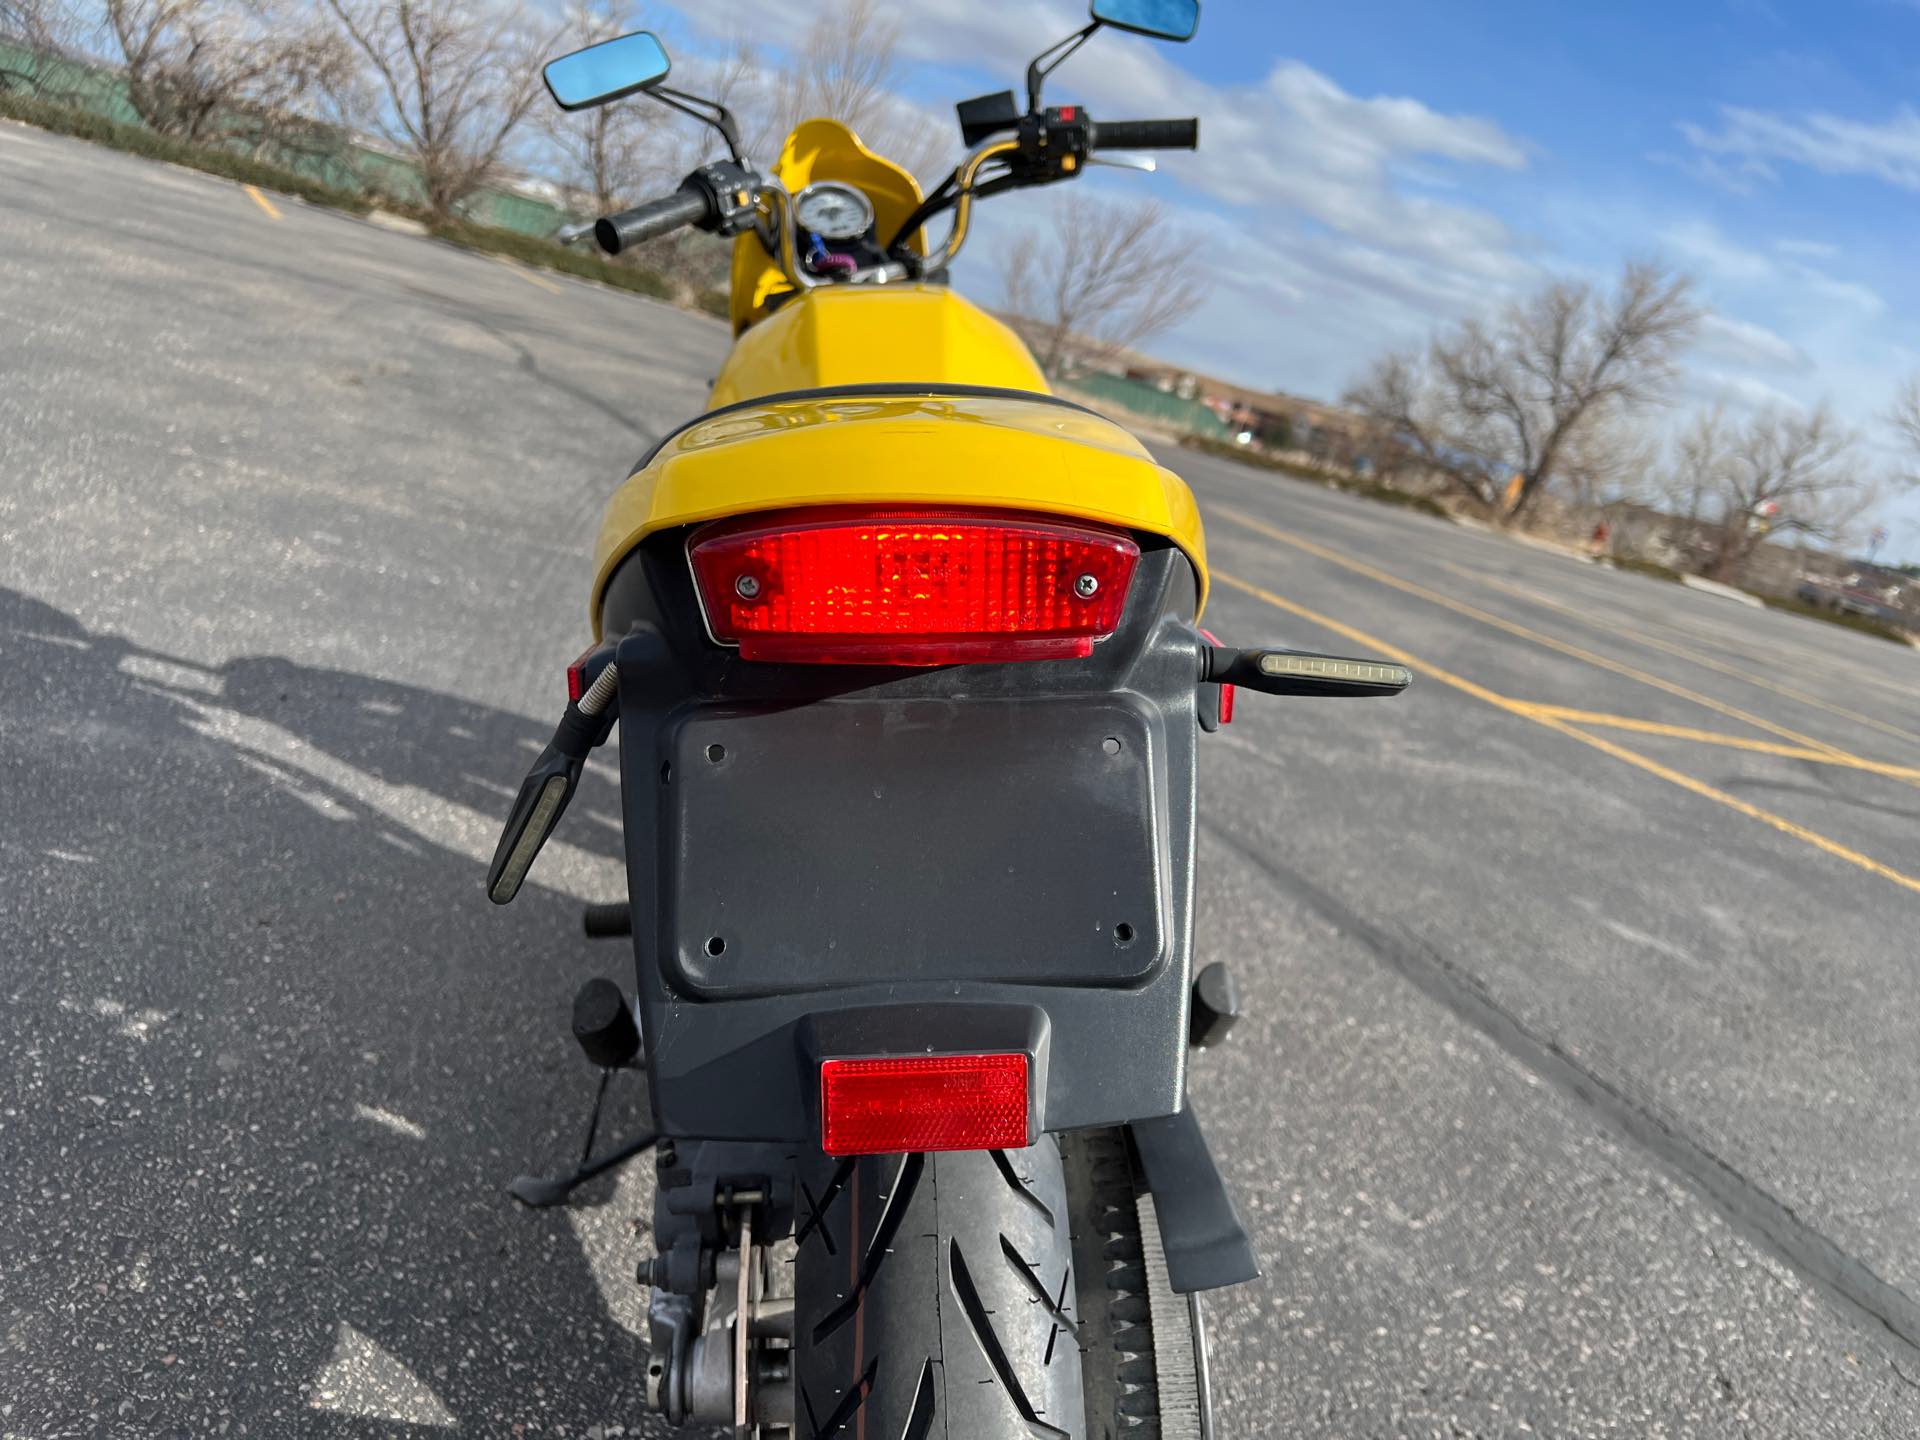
pixel 858 841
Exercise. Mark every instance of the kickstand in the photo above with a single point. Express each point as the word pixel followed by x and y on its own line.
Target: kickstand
pixel 539 1192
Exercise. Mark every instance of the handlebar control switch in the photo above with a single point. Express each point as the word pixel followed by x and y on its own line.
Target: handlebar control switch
pixel 1053 145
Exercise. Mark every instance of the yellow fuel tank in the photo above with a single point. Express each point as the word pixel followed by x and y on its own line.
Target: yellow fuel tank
pixel 875 335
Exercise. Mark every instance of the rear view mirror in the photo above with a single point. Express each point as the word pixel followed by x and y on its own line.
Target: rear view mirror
pixel 607 71
pixel 1162 19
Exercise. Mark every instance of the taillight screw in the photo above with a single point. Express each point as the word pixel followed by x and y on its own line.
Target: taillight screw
pixel 1086 586
pixel 747 587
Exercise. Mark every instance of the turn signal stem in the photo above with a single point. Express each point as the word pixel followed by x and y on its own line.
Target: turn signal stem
pixel 549 786
pixel 1301 672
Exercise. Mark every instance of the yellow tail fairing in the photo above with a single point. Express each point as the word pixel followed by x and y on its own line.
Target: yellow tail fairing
pixel 968 450
pixel 821 150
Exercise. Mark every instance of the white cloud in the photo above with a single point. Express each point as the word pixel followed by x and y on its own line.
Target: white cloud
pixel 1746 343
pixel 1888 150
pixel 1337 224
pixel 1709 386
pixel 1294 141
pixel 1736 266
pixel 1706 249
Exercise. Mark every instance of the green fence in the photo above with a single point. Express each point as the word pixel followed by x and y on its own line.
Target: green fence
pixel 319 152
pixel 1149 402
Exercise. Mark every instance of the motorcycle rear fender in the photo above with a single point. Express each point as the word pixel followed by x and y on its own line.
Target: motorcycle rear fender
pixel 743 1063
pixel 895 445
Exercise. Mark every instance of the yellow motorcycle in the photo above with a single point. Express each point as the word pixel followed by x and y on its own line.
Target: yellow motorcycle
pixel 904 655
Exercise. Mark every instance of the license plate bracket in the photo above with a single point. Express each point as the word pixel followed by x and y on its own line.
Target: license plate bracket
pixel 859 841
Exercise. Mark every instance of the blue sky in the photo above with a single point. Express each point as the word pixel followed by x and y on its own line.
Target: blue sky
pixel 1372 168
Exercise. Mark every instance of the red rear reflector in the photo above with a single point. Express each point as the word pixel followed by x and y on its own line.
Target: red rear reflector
pixel 577 675
pixel 910 588
pixel 1226 691
pixel 923 1102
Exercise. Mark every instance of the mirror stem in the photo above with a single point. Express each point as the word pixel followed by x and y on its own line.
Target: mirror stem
pixel 710 112
pixel 1049 60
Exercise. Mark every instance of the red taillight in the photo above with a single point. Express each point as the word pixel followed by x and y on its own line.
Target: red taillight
pixel 910 588
pixel 924 1102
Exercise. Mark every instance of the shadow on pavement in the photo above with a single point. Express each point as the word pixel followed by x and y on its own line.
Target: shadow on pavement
pixel 270 1058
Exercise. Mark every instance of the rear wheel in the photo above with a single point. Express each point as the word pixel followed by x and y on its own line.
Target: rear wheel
pixel 984 1295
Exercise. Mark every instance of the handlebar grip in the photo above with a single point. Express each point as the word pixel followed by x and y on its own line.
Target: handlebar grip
pixel 686 206
pixel 1144 134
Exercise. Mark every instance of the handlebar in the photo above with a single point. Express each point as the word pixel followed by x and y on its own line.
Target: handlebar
pixel 1144 134
pixel 689 205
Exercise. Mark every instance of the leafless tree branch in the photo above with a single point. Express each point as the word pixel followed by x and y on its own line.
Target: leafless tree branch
pixel 201 68
pixel 1516 397
pixel 1905 418
pixel 447 81
pixel 1108 277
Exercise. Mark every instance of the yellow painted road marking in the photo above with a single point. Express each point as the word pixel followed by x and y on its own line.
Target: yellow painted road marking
pixel 260 199
pixel 1605 747
pixel 529 276
pixel 1521 592
pixel 1473 612
pixel 1716 737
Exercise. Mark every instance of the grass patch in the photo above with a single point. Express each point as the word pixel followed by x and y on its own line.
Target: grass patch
pixel 565 258
pixel 149 144
pixel 1366 489
pixel 1247 455
pixel 1652 568
pixel 138 140
pixel 1386 495
pixel 1866 624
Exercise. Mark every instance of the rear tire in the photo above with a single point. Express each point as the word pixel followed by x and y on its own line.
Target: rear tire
pixel 934 1296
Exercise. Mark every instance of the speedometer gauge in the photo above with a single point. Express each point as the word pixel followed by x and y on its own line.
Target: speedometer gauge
pixel 833 211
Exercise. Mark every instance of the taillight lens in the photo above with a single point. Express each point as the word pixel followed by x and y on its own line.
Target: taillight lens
pixel 923 1102
pixel 910 587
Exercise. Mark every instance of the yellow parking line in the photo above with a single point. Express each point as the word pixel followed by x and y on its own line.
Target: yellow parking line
pixel 1605 747
pixel 1485 617
pixel 528 275
pixel 1521 592
pixel 1716 737
pixel 273 211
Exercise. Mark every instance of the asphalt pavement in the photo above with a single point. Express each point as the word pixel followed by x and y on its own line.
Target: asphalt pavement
pixel 1578 1093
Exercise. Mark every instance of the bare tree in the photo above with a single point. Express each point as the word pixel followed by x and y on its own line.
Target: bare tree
pixel 1905 418
pixel 1487 403
pixel 1693 483
pixel 1784 473
pixel 195 68
pixel 449 82
pixel 610 154
pixel 1413 427
pixel 1106 277
pixel 847 68
pixel 44 27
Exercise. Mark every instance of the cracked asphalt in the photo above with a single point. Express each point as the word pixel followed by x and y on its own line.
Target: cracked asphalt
pixel 1578 1092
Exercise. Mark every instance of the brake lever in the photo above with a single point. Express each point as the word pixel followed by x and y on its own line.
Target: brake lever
pixel 1122 160
pixel 1302 672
